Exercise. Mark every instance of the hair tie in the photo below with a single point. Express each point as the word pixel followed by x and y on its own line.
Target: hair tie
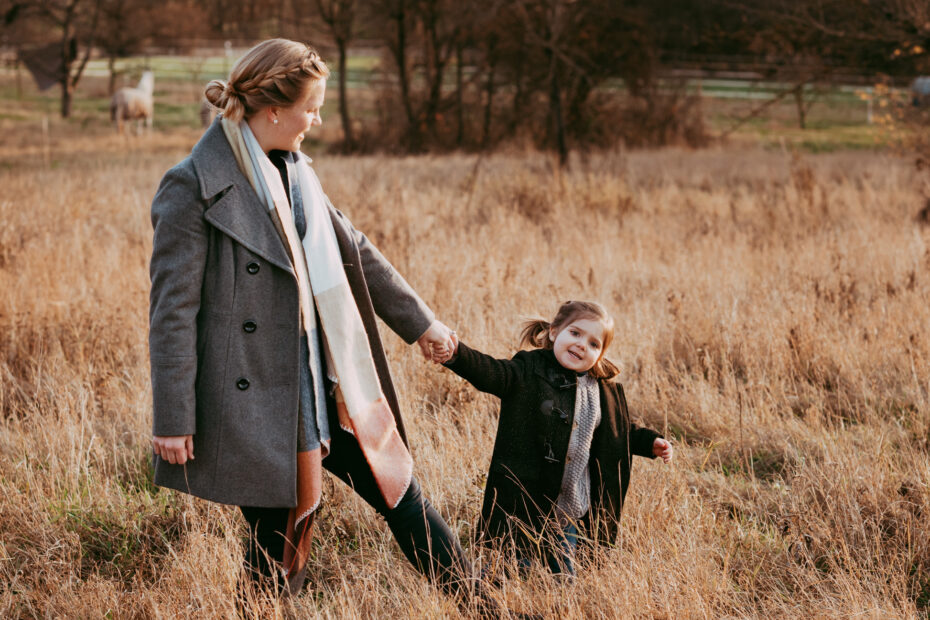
pixel 230 91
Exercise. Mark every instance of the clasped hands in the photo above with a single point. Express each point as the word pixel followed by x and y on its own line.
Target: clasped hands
pixel 438 343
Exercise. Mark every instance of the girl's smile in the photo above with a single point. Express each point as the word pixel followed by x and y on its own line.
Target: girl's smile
pixel 579 345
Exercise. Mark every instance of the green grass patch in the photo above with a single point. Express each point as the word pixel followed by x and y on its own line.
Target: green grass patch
pixel 126 533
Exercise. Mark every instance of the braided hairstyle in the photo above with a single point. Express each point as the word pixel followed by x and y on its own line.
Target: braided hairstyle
pixel 276 72
pixel 535 332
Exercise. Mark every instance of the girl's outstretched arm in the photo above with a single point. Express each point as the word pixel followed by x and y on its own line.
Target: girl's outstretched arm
pixel 488 374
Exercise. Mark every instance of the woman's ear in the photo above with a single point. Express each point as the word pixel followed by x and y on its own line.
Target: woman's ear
pixel 553 332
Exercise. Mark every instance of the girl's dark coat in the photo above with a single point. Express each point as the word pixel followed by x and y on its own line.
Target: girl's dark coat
pixel 536 418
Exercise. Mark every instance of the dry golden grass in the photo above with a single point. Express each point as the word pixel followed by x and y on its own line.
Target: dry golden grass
pixel 772 318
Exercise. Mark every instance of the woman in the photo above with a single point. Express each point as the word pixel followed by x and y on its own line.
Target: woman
pixel 266 361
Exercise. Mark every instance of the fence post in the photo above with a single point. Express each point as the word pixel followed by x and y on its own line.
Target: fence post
pixel 868 106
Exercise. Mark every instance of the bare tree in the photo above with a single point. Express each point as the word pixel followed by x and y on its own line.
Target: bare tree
pixel 125 25
pixel 75 23
pixel 398 18
pixel 804 42
pixel 438 20
pixel 422 38
pixel 556 33
pixel 339 16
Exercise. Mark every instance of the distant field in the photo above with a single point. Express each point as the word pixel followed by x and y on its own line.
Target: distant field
pixel 837 120
pixel 196 68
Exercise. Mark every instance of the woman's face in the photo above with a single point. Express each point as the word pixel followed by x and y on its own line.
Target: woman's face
pixel 294 122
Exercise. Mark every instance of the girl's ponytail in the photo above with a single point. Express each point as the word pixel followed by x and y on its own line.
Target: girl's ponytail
pixel 535 334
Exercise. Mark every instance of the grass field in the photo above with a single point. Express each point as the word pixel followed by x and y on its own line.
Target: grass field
pixel 771 319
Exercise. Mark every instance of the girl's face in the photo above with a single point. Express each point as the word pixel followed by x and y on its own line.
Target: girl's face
pixel 294 122
pixel 579 344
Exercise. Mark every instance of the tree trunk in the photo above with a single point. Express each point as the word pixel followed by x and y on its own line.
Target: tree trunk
pixel 519 95
pixel 400 58
pixel 19 79
pixel 799 105
pixel 577 98
pixel 348 138
pixel 435 68
pixel 555 112
pixel 67 94
pixel 111 65
pixel 488 106
pixel 459 108
pixel 68 54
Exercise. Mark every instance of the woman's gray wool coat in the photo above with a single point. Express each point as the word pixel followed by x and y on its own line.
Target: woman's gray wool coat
pixel 224 329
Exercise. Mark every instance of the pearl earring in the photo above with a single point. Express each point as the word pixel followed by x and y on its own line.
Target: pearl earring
pixel 275 121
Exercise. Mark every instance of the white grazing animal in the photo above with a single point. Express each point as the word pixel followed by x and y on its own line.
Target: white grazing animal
pixel 134 104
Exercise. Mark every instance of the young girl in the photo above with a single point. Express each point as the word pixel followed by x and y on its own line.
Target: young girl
pixel 562 456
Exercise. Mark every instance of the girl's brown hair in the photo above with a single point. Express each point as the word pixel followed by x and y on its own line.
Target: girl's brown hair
pixel 276 72
pixel 536 332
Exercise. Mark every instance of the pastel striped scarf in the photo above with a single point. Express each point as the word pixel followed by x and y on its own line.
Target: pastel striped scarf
pixel 324 293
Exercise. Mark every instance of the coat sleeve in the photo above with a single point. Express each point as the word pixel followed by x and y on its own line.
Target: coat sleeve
pixel 393 298
pixel 641 438
pixel 179 250
pixel 488 374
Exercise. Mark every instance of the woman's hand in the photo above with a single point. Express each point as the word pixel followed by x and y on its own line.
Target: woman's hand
pixel 663 449
pixel 175 449
pixel 438 343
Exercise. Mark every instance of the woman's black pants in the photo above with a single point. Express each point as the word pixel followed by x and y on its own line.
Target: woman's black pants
pixel 423 535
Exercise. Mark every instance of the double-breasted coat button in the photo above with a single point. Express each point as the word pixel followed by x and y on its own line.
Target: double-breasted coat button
pixel 249 326
pixel 242 383
pixel 253 267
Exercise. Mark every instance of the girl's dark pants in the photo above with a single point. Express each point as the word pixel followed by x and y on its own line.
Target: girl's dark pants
pixel 423 535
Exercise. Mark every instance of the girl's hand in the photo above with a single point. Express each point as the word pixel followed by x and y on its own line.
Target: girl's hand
pixel 442 354
pixel 663 449
pixel 175 449
pixel 438 343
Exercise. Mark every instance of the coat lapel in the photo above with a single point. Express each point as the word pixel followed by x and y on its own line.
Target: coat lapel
pixel 236 209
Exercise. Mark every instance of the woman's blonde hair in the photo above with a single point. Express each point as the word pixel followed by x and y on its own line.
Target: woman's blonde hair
pixel 535 332
pixel 276 72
